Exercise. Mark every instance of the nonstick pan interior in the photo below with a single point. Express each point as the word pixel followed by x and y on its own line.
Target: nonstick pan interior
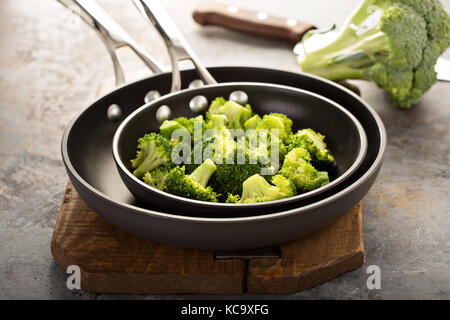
pixel 345 138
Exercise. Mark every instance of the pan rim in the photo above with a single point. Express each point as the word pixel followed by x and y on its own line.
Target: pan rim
pixel 213 205
pixel 137 210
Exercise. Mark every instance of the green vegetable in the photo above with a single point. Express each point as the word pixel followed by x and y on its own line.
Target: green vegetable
pixel 157 177
pixel 314 143
pixel 169 126
pixel 228 178
pixel 235 114
pixel 223 164
pixel 257 189
pixel 296 167
pixel 394 43
pixel 253 122
pixel 278 122
pixel 154 151
pixel 193 186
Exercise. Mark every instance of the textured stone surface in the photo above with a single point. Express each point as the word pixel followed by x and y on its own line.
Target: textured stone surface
pixel 49 69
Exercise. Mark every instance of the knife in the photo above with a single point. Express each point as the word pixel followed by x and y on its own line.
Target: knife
pixel 291 30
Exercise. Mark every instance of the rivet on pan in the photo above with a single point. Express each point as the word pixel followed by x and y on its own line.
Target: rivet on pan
pixel 163 113
pixel 151 95
pixel 239 96
pixel 196 84
pixel 114 113
pixel 198 104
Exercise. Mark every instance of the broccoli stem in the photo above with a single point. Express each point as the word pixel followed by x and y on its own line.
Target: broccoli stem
pixel 339 62
pixel 203 172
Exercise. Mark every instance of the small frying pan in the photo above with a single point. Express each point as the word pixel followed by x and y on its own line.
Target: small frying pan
pixel 346 137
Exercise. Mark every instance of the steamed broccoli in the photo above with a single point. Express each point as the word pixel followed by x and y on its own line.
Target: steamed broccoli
pixel 169 126
pixel 314 143
pixel 278 122
pixel 395 43
pixel 193 186
pixel 235 114
pixel 257 189
pixel 228 178
pixel 154 151
pixel 253 122
pixel 157 177
pixel 296 167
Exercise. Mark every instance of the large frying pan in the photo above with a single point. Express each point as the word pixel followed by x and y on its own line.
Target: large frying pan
pixel 87 155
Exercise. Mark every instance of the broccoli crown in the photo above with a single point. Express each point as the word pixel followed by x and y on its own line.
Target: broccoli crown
pixel 314 143
pixel 154 150
pixel 277 121
pixel 228 178
pixel 296 167
pixel 259 145
pixel 157 177
pixel 395 43
pixel 169 126
pixel 193 186
pixel 257 189
pixel 253 122
pixel 235 114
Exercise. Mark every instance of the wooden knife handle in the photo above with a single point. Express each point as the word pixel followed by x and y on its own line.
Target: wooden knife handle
pixel 252 22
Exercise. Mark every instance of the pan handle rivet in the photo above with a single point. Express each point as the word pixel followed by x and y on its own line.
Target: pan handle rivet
pixel 198 104
pixel 163 113
pixel 114 113
pixel 196 84
pixel 151 95
pixel 239 96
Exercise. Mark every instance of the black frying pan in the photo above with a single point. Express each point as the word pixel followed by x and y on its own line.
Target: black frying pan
pixel 346 137
pixel 86 152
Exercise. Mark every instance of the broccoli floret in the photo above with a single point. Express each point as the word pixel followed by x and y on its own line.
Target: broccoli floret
pixel 228 178
pixel 253 122
pixel 216 120
pixel 154 151
pixel 259 146
pixel 296 167
pixel 236 114
pixel 157 177
pixel 169 126
pixel 193 186
pixel 314 143
pixel 278 122
pixel 223 145
pixel 257 189
pixel 395 43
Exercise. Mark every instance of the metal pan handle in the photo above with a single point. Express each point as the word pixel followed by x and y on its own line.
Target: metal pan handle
pixel 112 34
pixel 176 44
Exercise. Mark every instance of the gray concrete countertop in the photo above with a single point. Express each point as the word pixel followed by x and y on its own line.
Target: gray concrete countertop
pixel 49 70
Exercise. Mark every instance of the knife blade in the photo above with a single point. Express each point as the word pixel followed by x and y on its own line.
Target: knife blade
pixel 291 30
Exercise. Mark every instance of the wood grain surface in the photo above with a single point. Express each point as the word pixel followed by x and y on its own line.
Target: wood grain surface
pixel 114 261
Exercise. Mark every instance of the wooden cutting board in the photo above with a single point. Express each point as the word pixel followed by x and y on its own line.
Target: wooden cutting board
pixel 114 261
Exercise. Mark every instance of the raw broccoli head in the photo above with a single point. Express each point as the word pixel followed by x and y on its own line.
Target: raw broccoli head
pixel 193 186
pixel 296 167
pixel 395 43
pixel 157 177
pixel 314 143
pixel 257 189
pixel 235 114
pixel 154 150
